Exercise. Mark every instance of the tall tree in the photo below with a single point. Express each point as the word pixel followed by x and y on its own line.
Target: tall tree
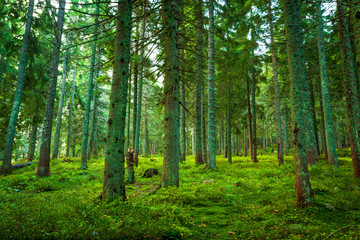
pixel 114 184
pixel 298 76
pixel 228 134
pixel 141 80
pixel 329 126
pixel 71 107
pixel 90 91
pixel 276 90
pixel 9 140
pixel 211 89
pixel 199 81
pixel 44 159
pixel 350 86
pixel 183 112
pixel 55 152
pixel 170 176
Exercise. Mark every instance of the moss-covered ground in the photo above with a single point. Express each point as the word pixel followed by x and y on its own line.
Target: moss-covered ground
pixel 244 200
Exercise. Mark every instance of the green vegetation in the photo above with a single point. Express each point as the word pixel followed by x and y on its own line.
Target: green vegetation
pixel 244 200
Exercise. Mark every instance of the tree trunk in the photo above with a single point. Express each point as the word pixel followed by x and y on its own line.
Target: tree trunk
pixel 355 23
pixel 170 176
pixel 138 120
pixel 203 127
pixel 250 131
pixel 228 134
pixel 33 137
pixel 44 159
pixel 84 146
pixel 199 82
pixel 350 90
pixel 298 75
pixel 286 133
pixel 146 139
pixel 183 112
pixel 276 91
pixel 245 141
pixel 55 153
pixel 10 135
pixel 329 126
pixel 253 139
pixel 114 184
pixel 129 115
pixel 71 107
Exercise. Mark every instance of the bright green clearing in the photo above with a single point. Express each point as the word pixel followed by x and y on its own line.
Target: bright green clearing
pixel 244 200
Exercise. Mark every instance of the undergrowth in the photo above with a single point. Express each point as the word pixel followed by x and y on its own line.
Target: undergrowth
pixel 244 200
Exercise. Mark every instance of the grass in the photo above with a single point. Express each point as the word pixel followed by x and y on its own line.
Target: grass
pixel 244 200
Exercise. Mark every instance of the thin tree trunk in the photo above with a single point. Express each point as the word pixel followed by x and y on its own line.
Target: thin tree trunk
pixel 183 112
pixel 136 75
pixel 55 153
pixel 250 131
pixel 329 126
pixel 245 141
pixel 84 146
pixel 146 138
pixel 276 91
pixel 286 133
pixel 10 135
pixel 44 159
pixel 33 137
pixel 129 115
pixel 351 95
pixel 170 176
pixel 114 174
pixel 199 81
pixel 68 142
pixel 228 134
pixel 203 128
pixel 138 120
pixel 253 139
pixel 298 75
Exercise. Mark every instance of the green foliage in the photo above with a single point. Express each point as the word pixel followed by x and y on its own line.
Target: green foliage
pixel 242 201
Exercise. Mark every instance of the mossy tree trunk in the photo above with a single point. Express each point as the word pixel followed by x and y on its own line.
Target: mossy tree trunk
pixel 199 82
pixel 114 174
pixel 276 90
pixel 329 126
pixel 71 107
pixel 55 152
pixel 211 90
pixel 183 111
pixel 44 159
pixel 10 134
pixel 286 132
pixel 250 131
pixel 84 146
pixel 298 76
pixel 350 89
pixel 228 132
pixel 170 175
pixel 141 80
pixel 33 136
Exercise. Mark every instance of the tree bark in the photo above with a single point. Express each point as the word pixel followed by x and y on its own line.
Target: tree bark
pixel 44 159
pixel 329 126
pixel 170 176
pixel 298 76
pixel 84 146
pixel 276 91
pixel 10 135
pixel 71 107
pixel 138 120
pixel 114 184
pixel 55 152
pixel 228 134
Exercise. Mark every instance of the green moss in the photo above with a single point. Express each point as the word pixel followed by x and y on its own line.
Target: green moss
pixel 254 201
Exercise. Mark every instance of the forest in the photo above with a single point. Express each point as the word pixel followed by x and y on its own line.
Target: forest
pixel 180 119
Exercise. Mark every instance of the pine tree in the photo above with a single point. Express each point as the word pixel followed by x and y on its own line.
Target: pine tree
pixel 55 152
pixel 329 126
pixel 71 107
pixel 170 176
pixel 114 174
pixel 298 76
pixel 84 145
pixel 276 90
pixel 211 89
pixel 44 159
pixel 9 140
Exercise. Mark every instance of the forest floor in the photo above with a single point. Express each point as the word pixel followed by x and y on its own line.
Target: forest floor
pixel 244 200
